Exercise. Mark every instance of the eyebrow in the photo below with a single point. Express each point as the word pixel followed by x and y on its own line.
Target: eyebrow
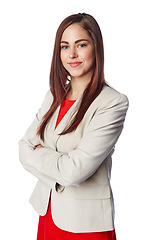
pixel 77 41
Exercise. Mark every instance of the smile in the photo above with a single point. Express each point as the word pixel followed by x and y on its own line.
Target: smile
pixel 74 64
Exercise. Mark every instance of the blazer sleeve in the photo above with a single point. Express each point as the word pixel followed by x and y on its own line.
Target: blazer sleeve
pixel 74 168
pixel 31 139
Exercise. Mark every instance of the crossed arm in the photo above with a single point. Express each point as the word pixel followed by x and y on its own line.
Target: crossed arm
pixel 51 166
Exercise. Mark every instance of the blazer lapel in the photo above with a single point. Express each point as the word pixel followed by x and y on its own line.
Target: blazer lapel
pixel 51 132
pixel 68 116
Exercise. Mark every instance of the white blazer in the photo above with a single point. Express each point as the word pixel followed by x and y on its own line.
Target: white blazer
pixel 76 166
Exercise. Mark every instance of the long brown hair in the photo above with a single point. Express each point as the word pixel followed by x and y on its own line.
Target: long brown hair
pixel 58 74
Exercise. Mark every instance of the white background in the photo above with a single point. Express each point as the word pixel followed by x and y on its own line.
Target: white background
pixel 132 66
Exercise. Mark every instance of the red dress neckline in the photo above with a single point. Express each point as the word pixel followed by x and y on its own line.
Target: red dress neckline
pixel 67 100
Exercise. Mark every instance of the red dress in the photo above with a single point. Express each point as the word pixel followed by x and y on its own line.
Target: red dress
pixel 47 230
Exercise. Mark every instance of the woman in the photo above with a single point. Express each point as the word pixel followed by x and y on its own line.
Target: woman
pixel 68 146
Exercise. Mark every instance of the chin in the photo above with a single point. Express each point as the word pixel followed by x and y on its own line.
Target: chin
pixel 76 75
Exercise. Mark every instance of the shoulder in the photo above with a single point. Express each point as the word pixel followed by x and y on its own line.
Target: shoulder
pixel 46 103
pixel 48 99
pixel 109 96
pixel 48 96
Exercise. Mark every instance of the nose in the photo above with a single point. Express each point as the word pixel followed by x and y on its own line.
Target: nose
pixel 73 53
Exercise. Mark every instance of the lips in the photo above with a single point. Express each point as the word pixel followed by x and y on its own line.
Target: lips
pixel 74 64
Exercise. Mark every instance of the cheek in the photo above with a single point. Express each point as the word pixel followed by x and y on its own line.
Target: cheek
pixel 89 55
pixel 63 58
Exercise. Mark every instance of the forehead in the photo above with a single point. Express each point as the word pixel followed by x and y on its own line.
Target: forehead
pixel 74 32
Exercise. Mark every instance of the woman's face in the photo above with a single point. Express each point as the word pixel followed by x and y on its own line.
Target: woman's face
pixel 77 51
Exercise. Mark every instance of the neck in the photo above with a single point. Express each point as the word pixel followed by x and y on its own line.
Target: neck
pixel 78 85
